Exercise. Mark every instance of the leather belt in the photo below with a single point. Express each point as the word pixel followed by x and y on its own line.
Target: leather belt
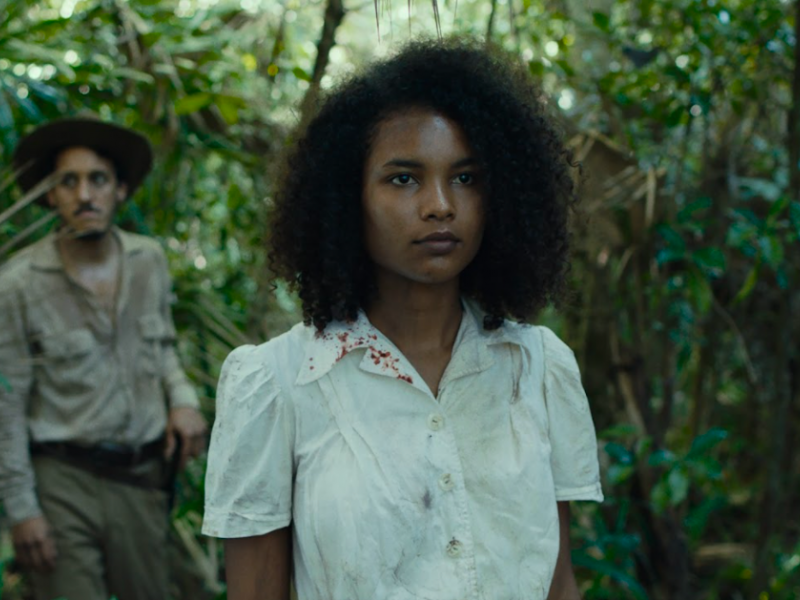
pixel 103 454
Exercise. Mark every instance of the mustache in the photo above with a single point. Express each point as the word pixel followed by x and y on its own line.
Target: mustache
pixel 86 208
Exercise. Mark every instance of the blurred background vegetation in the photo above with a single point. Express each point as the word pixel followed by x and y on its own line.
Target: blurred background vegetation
pixel 686 312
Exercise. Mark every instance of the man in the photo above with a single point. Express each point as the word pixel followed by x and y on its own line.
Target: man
pixel 92 398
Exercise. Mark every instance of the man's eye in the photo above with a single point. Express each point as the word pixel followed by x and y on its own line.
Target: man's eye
pixel 99 178
pixel 402 179
pixel 465 178
pixel 69 181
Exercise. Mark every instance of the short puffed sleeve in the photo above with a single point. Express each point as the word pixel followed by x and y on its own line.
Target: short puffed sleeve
pixel 250 459
pixel 574 462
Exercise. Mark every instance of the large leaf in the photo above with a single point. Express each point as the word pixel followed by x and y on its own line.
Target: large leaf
pixel 711 261
pixel 193 103
pixel 611 570
pixel 601 21
pixel 229 107
pixel 702 444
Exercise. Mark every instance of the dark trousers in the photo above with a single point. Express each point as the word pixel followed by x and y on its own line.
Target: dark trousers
pixel 111 537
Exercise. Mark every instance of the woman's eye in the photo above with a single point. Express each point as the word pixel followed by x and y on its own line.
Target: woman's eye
pixel 402 179
pixel 465 178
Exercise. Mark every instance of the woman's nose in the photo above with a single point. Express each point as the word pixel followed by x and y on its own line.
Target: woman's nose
pixel 437 203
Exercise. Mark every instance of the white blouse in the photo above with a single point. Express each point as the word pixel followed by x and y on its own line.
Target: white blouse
pixel 392 493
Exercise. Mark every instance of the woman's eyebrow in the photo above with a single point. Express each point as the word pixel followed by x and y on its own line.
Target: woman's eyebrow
pixel 465 162
pixel 415 164
pixel 403 162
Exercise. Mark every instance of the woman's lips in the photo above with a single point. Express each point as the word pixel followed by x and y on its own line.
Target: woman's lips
pixel 439 243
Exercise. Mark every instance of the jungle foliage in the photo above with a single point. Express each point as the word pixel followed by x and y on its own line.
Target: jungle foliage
pixel 685 317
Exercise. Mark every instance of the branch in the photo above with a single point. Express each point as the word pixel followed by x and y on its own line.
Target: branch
pixel 334 14
pixel 490 24
pixel 793 129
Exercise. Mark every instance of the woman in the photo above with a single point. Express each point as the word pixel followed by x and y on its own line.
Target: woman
pixel 411 439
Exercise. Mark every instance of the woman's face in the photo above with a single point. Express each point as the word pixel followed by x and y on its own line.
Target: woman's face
pixel 423 199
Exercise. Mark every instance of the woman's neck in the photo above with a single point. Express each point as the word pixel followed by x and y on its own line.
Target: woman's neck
pixel 417 318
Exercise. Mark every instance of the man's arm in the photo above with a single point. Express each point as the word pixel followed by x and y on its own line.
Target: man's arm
pixel 259 568
pixel 30 533
pixel 564 586
pixel 185 420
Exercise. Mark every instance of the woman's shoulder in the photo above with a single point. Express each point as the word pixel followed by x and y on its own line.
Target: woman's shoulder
pixel 540 342
pixel 279 357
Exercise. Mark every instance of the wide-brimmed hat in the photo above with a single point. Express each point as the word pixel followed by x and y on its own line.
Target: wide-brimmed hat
pixel 130 151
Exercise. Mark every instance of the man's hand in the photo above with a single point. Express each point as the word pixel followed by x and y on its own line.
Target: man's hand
pixel 34 546
pixel 188 424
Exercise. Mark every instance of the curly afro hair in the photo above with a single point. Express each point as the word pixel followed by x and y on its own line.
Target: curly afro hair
pixel 316 223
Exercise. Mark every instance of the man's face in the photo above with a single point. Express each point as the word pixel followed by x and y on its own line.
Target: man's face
pixel 87 194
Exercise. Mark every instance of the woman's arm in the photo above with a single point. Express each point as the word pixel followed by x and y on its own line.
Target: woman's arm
pixel 564 586
pixel 259 568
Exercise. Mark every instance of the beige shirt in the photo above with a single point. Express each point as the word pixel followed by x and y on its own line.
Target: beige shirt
pixel 393 493
pixel 70 371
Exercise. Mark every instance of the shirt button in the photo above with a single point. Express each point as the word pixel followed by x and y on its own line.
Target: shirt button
pixel 435 422
pixel 446 482
pixel 454 548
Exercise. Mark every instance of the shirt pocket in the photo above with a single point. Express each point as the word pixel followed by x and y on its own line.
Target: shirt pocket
pixel 155 332
pixel 68 356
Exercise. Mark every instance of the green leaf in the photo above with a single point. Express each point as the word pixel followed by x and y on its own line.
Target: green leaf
pixel 742 235
pixel 760 187
pixel 46 92
pixel 619 453
pixel 6 116
pixel 675 116
pixel 771 250
pixel 749 284
pixel 668 255
pixel 566 67
pixel 621 430
pixel 690 210
pixel 536 67
pixel 601 21
pixel 711 261
pixel 659 496
pixel 301 74
pixel 605 567
pixel 193 103
pixel 677 73
pixel 27 52
pixel 699 291
pixel 661 457
pixel 794 217
pixel 229 107
pixel 698 517
pixel 133 75
pixel 30 110
pixel 706 441
pixel 778 206
pixel 671 236
pixel 620 473
pixel 678 483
